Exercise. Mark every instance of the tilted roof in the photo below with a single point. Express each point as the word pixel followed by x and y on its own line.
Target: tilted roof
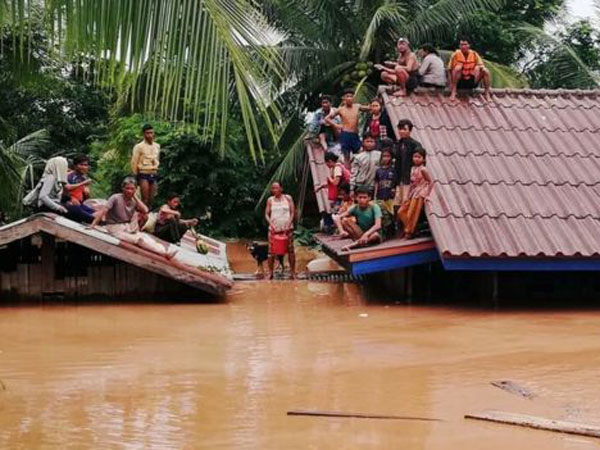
pixel 518 176
pixel 209 272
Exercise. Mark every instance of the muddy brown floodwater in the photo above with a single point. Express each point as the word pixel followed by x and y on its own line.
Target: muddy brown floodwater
pixel 223 375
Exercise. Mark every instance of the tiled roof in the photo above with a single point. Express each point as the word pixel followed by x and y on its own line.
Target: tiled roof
pixel 518 176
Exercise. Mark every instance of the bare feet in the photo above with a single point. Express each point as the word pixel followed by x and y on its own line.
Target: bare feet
pixel 171 252
pixel 343 235
pixel 271 276
pixel 486 96
pixel 292 275
pixel 399 93
pixel 452 97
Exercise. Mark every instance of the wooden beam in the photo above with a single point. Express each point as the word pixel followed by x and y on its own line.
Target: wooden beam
pixel 538 423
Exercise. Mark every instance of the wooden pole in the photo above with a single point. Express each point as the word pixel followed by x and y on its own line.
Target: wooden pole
pixel 539 423
pixel 302 412
pixel 303 186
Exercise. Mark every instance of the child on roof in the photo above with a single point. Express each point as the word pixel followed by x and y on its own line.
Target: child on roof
pixel 378 123
pixel 364 166
pixel 420 188
pixel 362 222
pixel 385 180
pixel 346 201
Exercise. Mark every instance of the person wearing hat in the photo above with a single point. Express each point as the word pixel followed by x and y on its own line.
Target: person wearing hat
pixel 403 73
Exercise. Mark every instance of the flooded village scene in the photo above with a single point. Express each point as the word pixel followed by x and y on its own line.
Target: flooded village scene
pixel 337 224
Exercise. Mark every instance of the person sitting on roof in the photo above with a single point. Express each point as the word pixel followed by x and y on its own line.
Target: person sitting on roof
pixel 47 194
pixel 346 201
pixel 170 226
pixel 364 166
pixel 420 188
pixel 120 214
pixel 322 129
pixel 403 163
pixel 467 70
pixel 349 115
pixel 378 123
pixel 432 72
pixel 77 191
pixel 404 72
pixel 362 222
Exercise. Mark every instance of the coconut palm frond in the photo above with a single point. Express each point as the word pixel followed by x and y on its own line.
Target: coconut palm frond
pixel 175 58
pixel 391 14
pixel 439 20
pixel 569 67
pixel 505 77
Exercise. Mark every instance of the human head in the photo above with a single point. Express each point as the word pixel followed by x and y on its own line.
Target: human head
pixel 331 159
pixel 128 187
pixel 405 126
pixel 426 49
pixel 368 142
pixel 81 164
pixel 419 157
pixel 276 188
pixel 348 97
pixel 174 200
pixel 344 191
pixel 375 106
pixel 464 44
pixel 363 196
pixel 325 102
pixel 148 131
pixel 57 167
pixel 403 45
pixel 386 157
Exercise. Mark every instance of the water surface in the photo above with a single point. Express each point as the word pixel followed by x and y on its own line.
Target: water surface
pixel 224 375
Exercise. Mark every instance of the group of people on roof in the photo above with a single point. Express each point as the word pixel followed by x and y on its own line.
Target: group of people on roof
pixel 64 189
pixel 465 69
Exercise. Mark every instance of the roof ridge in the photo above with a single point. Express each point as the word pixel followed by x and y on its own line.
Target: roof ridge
pixel 592 93
pixel 514 216
pixel 472 153
pixel 514 183
pixel 501 128
pixel 425 104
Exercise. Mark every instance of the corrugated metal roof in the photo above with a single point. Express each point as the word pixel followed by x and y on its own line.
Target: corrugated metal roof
pixel 518 176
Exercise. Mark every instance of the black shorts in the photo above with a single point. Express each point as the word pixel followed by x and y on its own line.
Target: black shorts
pixel 413 81
pixel 149 177
pixel 467 83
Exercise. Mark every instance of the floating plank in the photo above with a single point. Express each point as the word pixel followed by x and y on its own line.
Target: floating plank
pixel 303 412
pixel 539 423
pixel 513 388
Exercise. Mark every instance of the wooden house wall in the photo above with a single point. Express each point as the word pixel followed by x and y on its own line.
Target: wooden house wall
pixel 66 270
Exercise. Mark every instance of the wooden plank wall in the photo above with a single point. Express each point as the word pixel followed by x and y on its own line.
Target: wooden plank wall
pixel 105 278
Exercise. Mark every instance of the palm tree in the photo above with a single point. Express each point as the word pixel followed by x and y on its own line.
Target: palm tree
pixel 17 163
pixel 188 60
pixel 332 44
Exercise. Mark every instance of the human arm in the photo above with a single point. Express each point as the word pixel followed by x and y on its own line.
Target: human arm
pixel 135 159
pixel 268 214
pixel 140 205
pixel 44 195
pixel 173 212
pixel 375 228
pixel 425 65
pixel 332 115
pixel 290 224
pixel 99 216
pixel 385 68
pixel 478 60
pixel 411 64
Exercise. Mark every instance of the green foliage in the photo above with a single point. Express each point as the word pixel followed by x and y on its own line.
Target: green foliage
pixel 571 60
pixel 221 190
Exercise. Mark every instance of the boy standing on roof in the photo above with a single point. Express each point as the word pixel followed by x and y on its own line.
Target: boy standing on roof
pixel 318 127
pixel 364 166
pixel 403 73
pixel 467 70
pixel 144 164
pixel 405 148
pixel 349 114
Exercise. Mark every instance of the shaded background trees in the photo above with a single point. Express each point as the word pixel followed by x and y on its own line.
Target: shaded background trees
pixel 222 80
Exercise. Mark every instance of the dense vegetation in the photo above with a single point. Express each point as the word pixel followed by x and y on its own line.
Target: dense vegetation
pixel 229 110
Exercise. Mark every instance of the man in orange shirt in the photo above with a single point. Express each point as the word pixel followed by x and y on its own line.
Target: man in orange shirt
pixel 467 70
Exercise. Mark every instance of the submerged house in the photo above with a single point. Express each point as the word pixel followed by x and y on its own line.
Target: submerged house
pixel 516 184
pixel 49 256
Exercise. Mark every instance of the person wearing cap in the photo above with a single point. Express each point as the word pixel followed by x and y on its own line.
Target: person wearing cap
pixel 467 70
pixel 403 73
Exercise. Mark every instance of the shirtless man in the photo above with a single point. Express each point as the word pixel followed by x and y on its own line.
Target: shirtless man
pixel 348 113
pixel 402 73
